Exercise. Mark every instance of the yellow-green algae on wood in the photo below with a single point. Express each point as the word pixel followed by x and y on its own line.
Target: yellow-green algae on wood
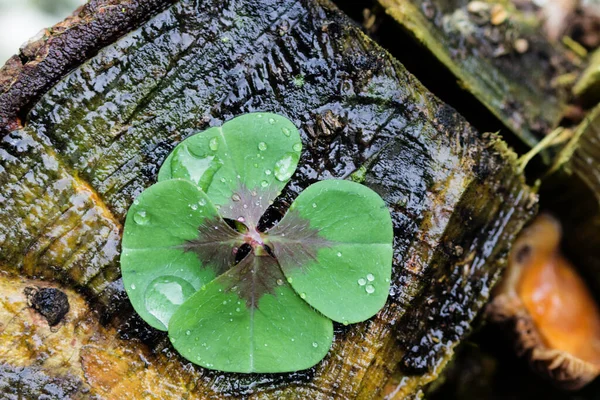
pixel 587 88
pixel 497 53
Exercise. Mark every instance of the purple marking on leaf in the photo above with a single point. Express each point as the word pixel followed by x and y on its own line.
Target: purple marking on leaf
pixel 255 276
pixel 294 242
pixel 217 244
pixel 248 205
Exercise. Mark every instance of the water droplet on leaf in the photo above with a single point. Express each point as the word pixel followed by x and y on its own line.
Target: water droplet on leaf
pixel 370 289
pixel 362 281
pixel 262 146
pixel 194 206
pixel 285 167
pixel 279 282
pixel 165 294
pixel 213 144
pixel 267 172
pixel 235 197
pixel 339 254
pixel 271 121
pixel 315 344
pixel 290 280
pixel 370 277
pixel 264 184
pixel 188 332
pixel 132 286
pixel 141 218
pixel 286 131
pixel 202 202
pixel 314 205
pixel 297 147
pixel 302 295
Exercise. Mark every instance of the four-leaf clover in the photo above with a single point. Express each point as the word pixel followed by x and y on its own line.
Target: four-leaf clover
pixel 329 258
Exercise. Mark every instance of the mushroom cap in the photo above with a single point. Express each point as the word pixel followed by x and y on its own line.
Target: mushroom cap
pixel 548 308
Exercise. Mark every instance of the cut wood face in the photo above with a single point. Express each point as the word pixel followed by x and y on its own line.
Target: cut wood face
pixel 499 53
pixel 98 137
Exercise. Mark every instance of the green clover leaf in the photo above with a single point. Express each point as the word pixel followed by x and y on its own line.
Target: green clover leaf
pixel 329 258
pixel 254 153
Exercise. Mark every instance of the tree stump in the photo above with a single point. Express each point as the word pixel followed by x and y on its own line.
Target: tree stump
pixel 90 111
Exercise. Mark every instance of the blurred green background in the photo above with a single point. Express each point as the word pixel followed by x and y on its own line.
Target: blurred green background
pixel 22 19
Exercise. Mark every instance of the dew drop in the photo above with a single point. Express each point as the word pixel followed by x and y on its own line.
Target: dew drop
pixel 194 206
pixel 141 218
pixel 339 254
pixel 235 197
pixel 290 280
pixel 132 286
pixel 230 319
pixel 293 340
pixel 165 294
pixel 237 309
pixel 279 282
pixel 197 339
pixel 370 277
pixel 362 281
pixel 370 289
pixel 262 146
pixel 188 332
pixel 213 144
pixel 345 323
pixel 258 115
pixel 286 131
pixel 223 180
pixel 314 205
pixel 224 302
pixel 297 147
pixel 267 172
pixel 264 184
pixel 315 344
pixel 285 167
pixel 255 165
pixel 136 202
pixel 202 202
pixel 271 121
pixel 302 295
